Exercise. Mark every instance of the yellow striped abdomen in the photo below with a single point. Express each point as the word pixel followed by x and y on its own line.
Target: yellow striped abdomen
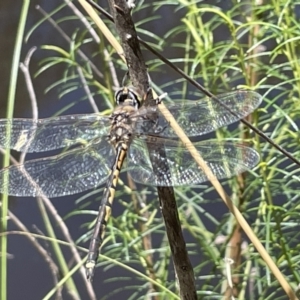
pixel 105 209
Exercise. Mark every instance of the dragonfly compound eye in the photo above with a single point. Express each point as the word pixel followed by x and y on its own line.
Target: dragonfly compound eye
pixel 127 96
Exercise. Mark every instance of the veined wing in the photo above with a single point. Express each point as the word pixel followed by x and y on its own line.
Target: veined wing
pixel 52 133
pixel 69 173
pixel 171 163
pixel 204 116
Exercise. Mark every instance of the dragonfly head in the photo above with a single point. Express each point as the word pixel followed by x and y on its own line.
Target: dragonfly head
pixel 127 96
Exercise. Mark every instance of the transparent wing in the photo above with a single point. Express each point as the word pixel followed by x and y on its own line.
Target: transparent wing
pixel 69 173
pixel 53 133
pixel 204 116
pixel 173 165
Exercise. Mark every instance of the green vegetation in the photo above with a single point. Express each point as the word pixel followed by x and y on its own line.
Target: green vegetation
pixel 243 45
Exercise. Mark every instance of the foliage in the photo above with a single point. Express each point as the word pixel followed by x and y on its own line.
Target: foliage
pixel 224 46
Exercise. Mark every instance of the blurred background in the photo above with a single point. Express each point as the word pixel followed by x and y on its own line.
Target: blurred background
pixel 198 39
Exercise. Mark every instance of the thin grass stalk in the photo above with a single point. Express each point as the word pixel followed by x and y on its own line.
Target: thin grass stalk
pixel 234 250
pixel 63 281
pixel 139 78
pixel 70 283
pixel 162 287
pixel 71 286
pixel 269 166
pixel 147 259
pixel 35 242
pixel 115 44
pixel 233 209
pixel 68 40
pixel 249 232
pixel 9 114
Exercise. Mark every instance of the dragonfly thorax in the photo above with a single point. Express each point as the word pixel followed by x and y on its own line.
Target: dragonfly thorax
pixel 122 123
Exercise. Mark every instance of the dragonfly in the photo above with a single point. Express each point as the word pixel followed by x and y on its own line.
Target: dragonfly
pixel 136 133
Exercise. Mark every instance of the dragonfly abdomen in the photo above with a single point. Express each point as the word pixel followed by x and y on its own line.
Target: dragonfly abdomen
pixel 105 209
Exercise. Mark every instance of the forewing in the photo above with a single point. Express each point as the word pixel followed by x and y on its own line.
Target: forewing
pixel 169 163
pixel 52 133
pixel 69 173
pixel 204 116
